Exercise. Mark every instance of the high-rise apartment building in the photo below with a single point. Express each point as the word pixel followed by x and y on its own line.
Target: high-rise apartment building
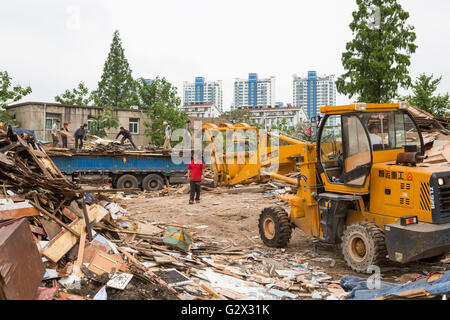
pixel 203 92
pixel 313 92
pixel 253 92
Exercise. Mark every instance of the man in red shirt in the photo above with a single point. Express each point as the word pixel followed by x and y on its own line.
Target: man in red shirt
pixel 195 176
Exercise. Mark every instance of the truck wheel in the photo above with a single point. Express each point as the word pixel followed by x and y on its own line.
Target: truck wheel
pixel 363 246
pixel 274 227
pixel 153 182
pixel 127 181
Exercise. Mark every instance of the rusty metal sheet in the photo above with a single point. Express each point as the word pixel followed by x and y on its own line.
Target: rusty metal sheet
pixel 21 267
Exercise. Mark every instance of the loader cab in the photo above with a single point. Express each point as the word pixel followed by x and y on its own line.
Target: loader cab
pixel 352 138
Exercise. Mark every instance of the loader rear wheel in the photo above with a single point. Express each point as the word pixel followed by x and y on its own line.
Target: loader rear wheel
pixel 127 181
pixel 153 182
pixel 274 227
pixel 363 246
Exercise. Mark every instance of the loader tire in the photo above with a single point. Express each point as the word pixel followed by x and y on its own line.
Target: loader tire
pixel 363 246
pixel 153 182
pixel 127 181
pixel 274 227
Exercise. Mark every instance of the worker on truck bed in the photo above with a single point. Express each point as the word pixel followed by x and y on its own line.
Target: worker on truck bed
pixel 126 135
pixel 195 176
pixel 55 133
pixel 167 135
pixel 63 136
pixel 80 135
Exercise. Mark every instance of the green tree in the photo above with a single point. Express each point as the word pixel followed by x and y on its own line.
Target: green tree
pixel 299 132
pixel 283 127
pixel 78 96
pixel 116 87
pixel 423 96
pixel 161 101
pixel 378 57
pixel 9 95
pixel 238 116
pixel 100 124
pixel 160 90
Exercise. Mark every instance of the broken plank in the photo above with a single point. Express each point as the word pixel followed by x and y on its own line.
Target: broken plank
pixel 64 241
pixel 57 220
pixel 17 210
pixel 212 292
pixel 228 273
pixel 77 266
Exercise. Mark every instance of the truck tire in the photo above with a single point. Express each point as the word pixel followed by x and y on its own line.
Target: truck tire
pixel 363 246
pixel 153 182
pixel 274 227
pixel 127 181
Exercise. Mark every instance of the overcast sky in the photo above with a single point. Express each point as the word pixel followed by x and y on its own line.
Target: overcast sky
pixel 53 45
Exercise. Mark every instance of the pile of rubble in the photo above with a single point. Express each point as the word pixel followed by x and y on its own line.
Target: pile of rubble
pixel 55 246
pixel 436 136
pixel 96 145
pixel 428 122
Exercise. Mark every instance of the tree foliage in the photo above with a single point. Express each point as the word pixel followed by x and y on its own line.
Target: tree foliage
pixel 301 131
pixel 238 116
pixel 161 100
pixel 160 90
pixel 78 96
pixel 423 96
pixel 100 124
pixel 378 57
pixel 116 87
pixel 9 94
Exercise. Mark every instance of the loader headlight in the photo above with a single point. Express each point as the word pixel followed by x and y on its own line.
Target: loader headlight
pixel 441 181
pixel 360 106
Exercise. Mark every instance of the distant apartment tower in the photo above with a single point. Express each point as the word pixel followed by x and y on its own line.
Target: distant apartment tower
pixel 203 92
pixel 313 92
pixel 253 92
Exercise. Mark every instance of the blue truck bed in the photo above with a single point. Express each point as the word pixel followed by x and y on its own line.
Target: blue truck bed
pixel 149 171
pixel 117 164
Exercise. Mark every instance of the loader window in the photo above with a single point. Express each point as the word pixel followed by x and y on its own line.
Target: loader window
pixel 381 130
pixel 357 153
pixel 406 133
pixel 331 155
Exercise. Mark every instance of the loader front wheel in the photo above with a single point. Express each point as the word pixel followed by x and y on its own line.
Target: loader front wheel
pixel 363 246
pixel 274 227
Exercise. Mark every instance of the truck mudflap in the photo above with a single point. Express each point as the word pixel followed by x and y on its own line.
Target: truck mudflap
pixel 417 241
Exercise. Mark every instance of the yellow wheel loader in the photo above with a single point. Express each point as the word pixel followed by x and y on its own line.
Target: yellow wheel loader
pixel 362 185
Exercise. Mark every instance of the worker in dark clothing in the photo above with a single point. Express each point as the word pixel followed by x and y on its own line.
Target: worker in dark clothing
pixel 126 135
pixel 80 135
pixel 85 127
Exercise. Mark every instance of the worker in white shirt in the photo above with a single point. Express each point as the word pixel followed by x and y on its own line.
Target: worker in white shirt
pixel 55 129
pixel 374 134
pixel 167 135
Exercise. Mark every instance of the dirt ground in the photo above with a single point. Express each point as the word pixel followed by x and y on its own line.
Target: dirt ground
pixel 233 219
